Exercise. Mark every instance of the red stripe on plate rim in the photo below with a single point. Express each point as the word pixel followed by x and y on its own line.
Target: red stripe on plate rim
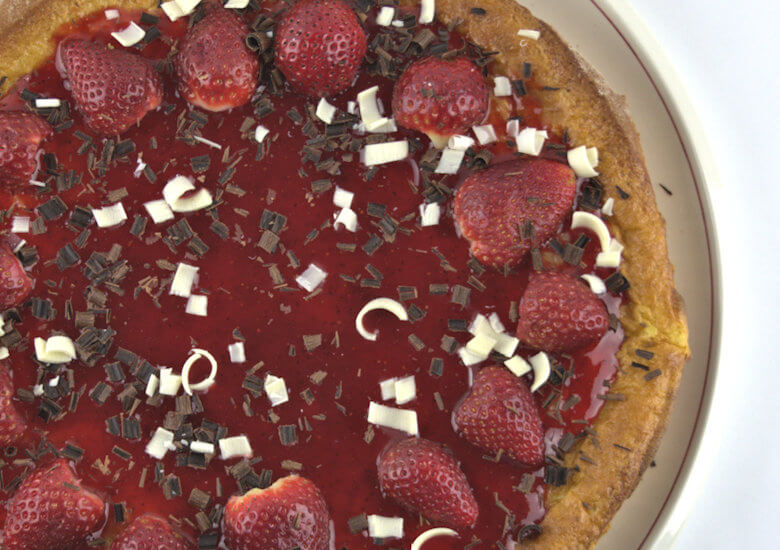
pixel 701 414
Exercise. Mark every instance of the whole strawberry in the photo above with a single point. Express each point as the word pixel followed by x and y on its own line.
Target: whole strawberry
pixel 113 88
pixel 291 513
pixel 558 312
pixel 320 46
pixel 441 97
pixel 15 285
pixel 51 511
pixel 21 135
pixel 12 425
pixel 215 68
pixel 492 207
pixel 425 478
pixel 151 532
pixel 499 414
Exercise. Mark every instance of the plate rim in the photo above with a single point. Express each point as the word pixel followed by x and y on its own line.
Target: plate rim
pixel 704 439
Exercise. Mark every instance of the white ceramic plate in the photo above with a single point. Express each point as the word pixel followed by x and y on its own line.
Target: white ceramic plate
pixel 612 37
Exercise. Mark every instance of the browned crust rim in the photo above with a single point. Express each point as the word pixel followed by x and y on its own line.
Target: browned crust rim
pixel 26 28
pixel 580 512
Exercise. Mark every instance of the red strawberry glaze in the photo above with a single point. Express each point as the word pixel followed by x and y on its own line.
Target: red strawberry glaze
pixel 241 294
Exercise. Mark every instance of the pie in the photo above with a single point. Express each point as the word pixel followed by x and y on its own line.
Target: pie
pixel 322 275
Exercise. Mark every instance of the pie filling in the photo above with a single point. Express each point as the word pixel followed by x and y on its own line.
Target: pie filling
pixel 273 211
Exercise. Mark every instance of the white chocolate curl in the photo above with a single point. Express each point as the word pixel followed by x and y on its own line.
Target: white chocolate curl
pixel 424 537
pixel 388 304
pixel 541 365
pixel 206 383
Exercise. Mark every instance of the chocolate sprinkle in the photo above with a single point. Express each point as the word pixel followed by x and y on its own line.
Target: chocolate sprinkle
pixel 617 283
pixel 416 342
pixel 652 375
pixel 208 541
pixel 200 163
pixel 519 87
pixel 438 288
pixel 530 531
pixel 220 229
pixel 449 344
pixel 288 435
pixel 614 322
pixel 572 254
pixel 405 293
pixel 171 487
pixel 121 453
pixel 268 241
pixel 199 499
pixel 415 313
pixel 556 475
pixel 611 397
pixel 66 257
pixel 49 410
pixel 80 217
pixel 120 512
pixel 476 283
pixel 312 341
pixel 100 393
pixel 52 209
pixel 622 193
pixel 372 245
pixel 72 452
pixel 460 295
pixel 139 225
pixel 357 523
pixel 376 210
pixel 437 367
pixel 42 309
pixel 457 325
pixel 638 365
pixel 114 372
pixel 590 194
pixel 644 354
pixel 149 19
pixel 320 186
pixel 131 428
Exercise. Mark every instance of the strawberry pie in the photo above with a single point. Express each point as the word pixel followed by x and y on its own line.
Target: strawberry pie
pixel 321 274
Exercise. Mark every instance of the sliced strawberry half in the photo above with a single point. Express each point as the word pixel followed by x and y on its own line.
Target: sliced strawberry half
pixel 15 284
pixel 51 510
pixel 151 532
pixel 12 425
pixel 215 68
pixel 319 46
pixel 113 88
pixel 558 312
pixel 21 135
pixel 425 478
pixel 441 97
pixel 499 414
pixel 291 513
pixel 492 206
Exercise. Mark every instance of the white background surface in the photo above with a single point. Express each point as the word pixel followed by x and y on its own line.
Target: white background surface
pixel 726 54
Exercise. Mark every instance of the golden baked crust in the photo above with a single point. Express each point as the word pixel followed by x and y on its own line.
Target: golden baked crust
pixel 26 27
pixel 653 318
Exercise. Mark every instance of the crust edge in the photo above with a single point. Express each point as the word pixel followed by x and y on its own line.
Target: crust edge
pixel 27 26
pixel 580 512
